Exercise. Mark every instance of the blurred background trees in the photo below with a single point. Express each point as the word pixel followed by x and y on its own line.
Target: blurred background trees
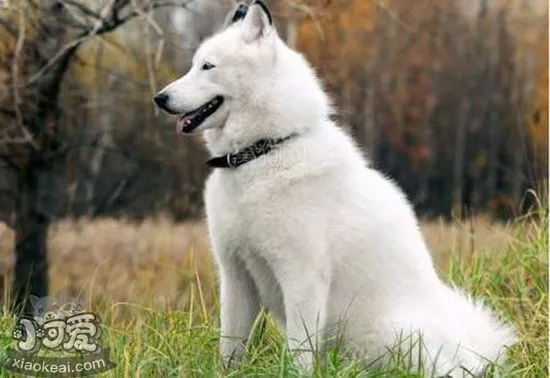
pixel 46 82
pixel 447 97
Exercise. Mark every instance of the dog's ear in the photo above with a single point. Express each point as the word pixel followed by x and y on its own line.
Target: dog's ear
pixel 35 301
pixel 257 22
pixel 237 14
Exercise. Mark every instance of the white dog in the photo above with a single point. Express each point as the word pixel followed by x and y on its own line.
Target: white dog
pixel 301 225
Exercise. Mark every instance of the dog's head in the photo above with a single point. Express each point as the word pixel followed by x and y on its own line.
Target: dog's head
pixel 224 72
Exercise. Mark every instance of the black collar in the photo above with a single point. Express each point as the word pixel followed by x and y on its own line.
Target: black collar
pixel 259 148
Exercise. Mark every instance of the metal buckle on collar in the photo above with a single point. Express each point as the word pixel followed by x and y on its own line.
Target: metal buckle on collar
pixel 230 162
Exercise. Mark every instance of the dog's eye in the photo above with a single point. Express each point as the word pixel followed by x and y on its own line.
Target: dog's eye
pixel 207 66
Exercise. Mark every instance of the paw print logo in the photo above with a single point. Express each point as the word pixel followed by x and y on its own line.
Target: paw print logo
pixel 49 316
pixel 40 333
pixel 18 333
pixel 70 309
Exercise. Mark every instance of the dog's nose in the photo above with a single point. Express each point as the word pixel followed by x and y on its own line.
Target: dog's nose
pixel 161 99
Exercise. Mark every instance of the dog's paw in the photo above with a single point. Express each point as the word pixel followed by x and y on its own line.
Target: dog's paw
pixel 303 360
pixel 231 352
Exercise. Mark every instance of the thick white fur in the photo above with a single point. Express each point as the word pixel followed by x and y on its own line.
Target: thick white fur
pixel 329 245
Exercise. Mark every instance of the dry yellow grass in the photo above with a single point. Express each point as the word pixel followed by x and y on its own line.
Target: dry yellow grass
pixel 157 262
pixel 476 235
pixel 148 263
pixel 131 272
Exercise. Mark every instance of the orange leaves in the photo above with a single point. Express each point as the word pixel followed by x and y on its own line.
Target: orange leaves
pixel 439 92
pixel 336 38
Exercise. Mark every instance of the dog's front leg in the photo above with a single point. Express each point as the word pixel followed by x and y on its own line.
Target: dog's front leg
pixel 239 308
pixel 305 296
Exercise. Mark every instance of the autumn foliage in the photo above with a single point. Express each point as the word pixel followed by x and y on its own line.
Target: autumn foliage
pixel 449 99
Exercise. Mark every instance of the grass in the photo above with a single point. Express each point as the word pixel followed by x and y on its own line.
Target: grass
pixel 153 285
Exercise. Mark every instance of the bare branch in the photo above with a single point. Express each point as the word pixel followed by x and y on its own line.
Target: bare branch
pixel 147 16
pixel 57 56
pixel 8 26
pixel 82 8
pixel 309 11
pixel 150 60
pixel 395 18
pixel 15 81
pixel 110 19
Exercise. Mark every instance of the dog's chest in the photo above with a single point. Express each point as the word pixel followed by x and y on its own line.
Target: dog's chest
pixel 240 207
pixel 241 221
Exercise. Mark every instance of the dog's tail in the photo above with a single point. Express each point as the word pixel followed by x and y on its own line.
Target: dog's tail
pixel 484 334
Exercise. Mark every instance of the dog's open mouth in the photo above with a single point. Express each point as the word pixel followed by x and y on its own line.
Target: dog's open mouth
pixel 191 120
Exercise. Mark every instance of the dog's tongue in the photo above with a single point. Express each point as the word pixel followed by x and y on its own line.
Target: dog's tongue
pixel 181 126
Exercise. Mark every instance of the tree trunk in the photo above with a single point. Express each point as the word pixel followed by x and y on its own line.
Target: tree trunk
pixel 36 195
pixel 292 28
pixel 32 222
pixel 459 156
